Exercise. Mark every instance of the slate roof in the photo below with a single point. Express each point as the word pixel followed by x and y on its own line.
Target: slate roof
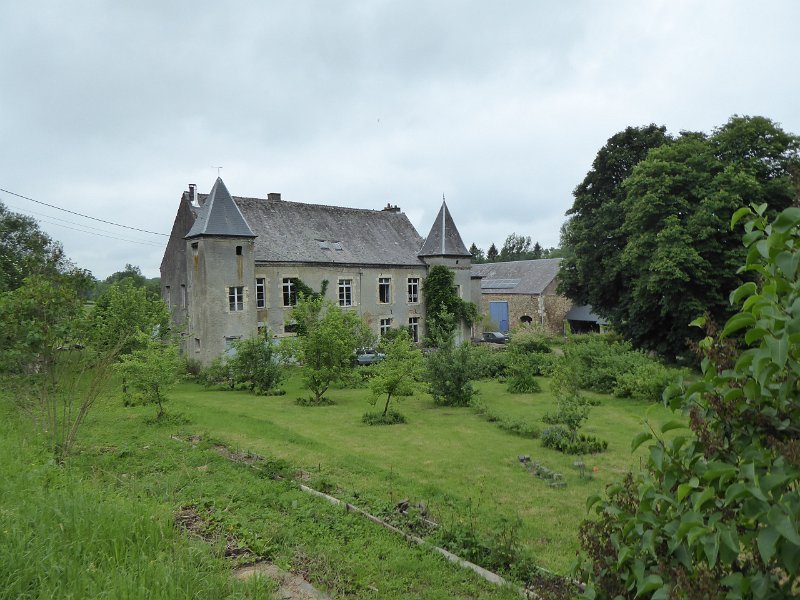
pixel 518 277
pixel 444 239
pixel 584 312
pixel 314 233
pixel 219 215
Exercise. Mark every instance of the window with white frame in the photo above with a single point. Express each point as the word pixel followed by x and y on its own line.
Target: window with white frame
pixel 386 325
pixel 345 292
pixel 289 292
pixel 236 298
pixel 261 292
pixel 413 290
pixel 384 290
pixel 413 328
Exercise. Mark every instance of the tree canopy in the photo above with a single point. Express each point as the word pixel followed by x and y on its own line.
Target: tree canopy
pixel 26 250
pixel 647 245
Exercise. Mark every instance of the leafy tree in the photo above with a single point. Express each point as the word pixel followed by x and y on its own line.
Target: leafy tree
pixel 491 254
pixel 153 368
pixel 714 512
pixel 326 341
pixel 449 370
pixel 657 250
pixel 593 238
pixel 441 300
pixel 398 373
pixel 122 313
pixel 26 250
pixel 478 255
pixel 131 273
pixel 537 251
pixel 255 364
pixel 516 247
pixel 44 362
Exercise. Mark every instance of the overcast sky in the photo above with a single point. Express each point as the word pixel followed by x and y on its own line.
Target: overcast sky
pixel 111 109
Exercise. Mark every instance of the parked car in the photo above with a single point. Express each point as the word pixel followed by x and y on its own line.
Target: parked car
pixel 495 337
pixel 368 356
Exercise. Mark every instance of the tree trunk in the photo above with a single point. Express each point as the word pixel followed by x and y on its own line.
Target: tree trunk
pixel 386 408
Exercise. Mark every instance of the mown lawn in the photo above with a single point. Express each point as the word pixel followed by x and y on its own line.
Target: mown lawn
pixel 464 468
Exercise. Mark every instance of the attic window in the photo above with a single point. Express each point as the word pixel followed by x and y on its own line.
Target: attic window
pixel 330 245
pixel 238 250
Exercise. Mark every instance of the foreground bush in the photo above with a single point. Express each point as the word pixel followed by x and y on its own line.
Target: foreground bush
pixel 449 373
pixel 714 513
pixel 61 537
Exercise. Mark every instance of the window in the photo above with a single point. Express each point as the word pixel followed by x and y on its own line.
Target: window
pixel 236 298
pixel 261 292
pixel 168 297
pixel 229 341
pixel 289 292
pixel 197 344
pixel 183 295
pixel 384 290
pixel 413 290
pixel 345 292
pixel 238 250
pixel 386 325
pixel 413 328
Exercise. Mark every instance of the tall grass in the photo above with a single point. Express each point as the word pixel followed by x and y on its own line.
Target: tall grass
pixel 61 537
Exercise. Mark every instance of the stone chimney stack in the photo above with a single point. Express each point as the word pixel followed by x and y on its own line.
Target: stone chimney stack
pixel 273 196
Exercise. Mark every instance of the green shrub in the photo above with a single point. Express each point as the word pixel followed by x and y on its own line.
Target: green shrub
pixel 391 417
pixel 311 401
pixel 520 428
pixel 645 382
pixel 449 373
pixel 529 340
pixel 217 373
pixel 488 363
pixel 522 371
pixel 255 364
pixel 559 438
pixel 608 365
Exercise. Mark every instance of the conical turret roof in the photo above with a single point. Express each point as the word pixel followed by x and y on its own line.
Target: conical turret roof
pixel 219 215
pixel 444 239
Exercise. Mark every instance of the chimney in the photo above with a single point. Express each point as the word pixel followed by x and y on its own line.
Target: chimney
pixel 193 193
pixel 273 196
pixel 390 208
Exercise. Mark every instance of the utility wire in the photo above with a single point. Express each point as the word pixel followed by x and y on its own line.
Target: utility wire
pixel 101 234
pixel 81 214
pixel 46 216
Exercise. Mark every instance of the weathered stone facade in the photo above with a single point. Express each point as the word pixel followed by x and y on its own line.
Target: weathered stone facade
pixel 231 266
pixel 531 296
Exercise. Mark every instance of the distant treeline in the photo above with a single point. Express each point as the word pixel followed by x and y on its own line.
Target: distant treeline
pixel 516 247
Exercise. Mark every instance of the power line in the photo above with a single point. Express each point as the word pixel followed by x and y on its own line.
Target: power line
pixel 81 214
pixel 102 235
pixel 46 216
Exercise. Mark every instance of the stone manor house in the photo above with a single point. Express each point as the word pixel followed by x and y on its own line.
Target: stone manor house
pixel 232 264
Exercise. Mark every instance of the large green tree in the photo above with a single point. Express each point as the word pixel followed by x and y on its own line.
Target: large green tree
pixel 658 252
pixel 592 239
pixel 25 250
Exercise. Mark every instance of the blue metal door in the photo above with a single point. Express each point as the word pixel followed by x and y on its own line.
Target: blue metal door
pixel 498 313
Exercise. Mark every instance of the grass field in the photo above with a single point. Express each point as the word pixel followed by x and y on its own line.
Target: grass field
pixel 462 467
